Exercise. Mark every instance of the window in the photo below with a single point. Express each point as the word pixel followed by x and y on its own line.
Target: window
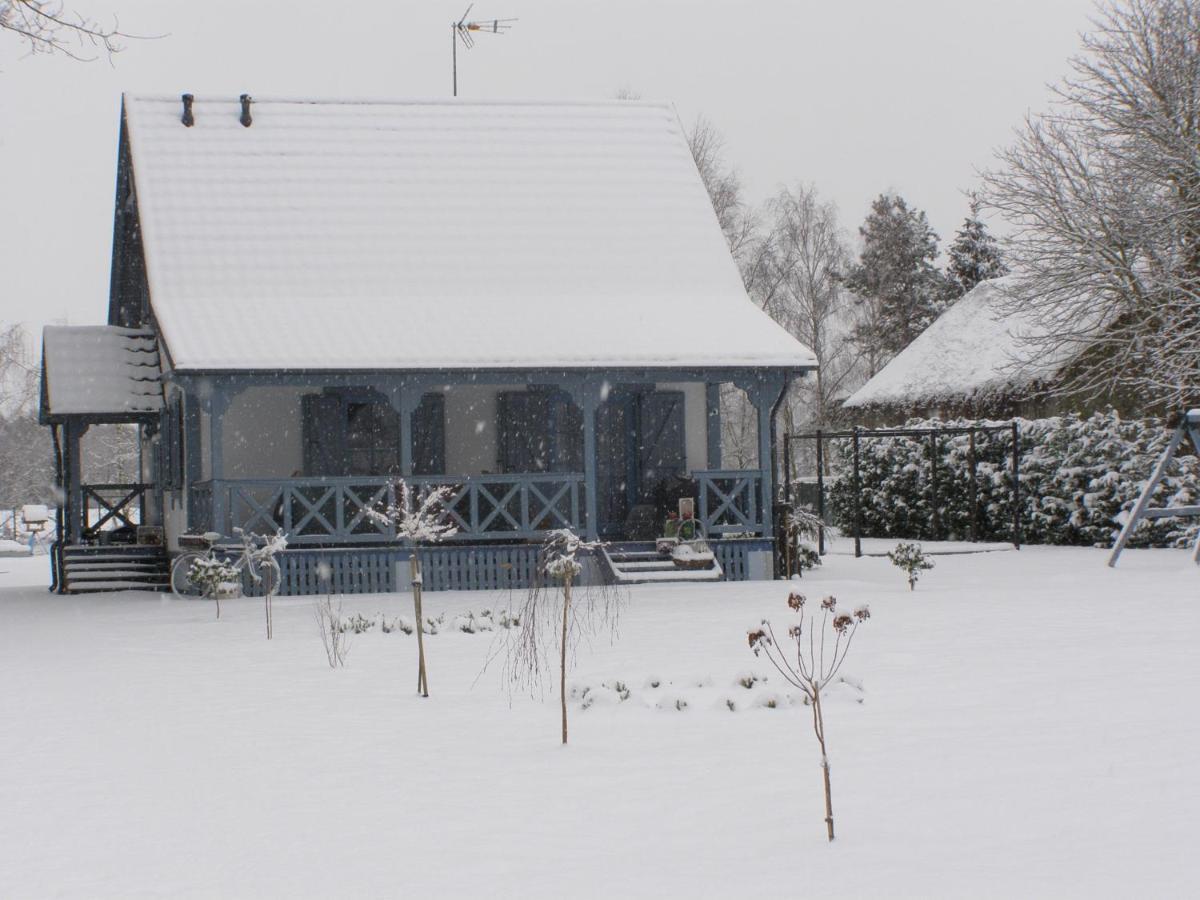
pixel 372 438
pixel 539 431
pixel 358 433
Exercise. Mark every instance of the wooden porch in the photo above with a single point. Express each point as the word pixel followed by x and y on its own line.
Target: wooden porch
pixel 336 511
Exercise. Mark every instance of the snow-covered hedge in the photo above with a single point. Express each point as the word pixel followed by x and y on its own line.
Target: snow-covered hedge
pixel 1079 477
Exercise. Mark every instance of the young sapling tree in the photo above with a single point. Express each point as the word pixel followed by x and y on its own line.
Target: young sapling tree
pixel 543 624
pixel 418 521
pixel 911 560
pixel 812 669
pixel 264 568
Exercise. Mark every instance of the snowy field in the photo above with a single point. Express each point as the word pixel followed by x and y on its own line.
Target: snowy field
pixel 1029 729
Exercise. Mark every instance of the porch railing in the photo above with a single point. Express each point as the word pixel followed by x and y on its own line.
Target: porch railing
pixel 107 506
pixel 730 501
pixel 338 510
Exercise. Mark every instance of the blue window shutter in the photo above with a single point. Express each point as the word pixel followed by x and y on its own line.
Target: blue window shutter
pixel 429 436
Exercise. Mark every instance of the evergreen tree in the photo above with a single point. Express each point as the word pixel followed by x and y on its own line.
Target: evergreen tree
pixel 898 289
pixel 974 256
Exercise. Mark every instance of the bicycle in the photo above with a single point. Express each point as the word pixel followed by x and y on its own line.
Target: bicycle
pixel 256 557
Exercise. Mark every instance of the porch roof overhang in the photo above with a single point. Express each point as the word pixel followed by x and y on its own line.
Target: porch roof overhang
pixel 99 374
pixel 429 379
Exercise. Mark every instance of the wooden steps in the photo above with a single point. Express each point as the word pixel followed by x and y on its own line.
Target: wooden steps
pixel 88 569
pixel 638 565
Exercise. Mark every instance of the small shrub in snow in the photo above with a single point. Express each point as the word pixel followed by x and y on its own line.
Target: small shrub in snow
pixel 215 579
pixel 803 530
pixel 397 624
pixel 335 635
pixel 359 624
pixel 910 559
pixel 811 668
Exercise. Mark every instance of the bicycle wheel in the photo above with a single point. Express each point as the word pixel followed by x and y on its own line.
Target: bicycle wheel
pixel 181 587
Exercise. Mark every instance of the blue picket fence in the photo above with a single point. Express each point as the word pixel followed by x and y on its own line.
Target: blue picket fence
pixel 445 568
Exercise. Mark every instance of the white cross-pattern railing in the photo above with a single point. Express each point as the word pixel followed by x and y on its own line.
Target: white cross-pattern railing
pixel 730 501
pixel 338 510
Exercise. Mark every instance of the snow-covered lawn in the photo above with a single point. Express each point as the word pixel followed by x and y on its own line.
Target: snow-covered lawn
pixel 1029 729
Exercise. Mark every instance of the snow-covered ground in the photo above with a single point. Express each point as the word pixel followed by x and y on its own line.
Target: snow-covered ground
pixel 1029 730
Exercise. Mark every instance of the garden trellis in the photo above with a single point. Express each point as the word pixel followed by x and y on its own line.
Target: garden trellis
pixel 934 435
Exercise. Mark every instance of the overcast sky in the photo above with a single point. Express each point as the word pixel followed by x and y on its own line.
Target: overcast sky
pixel 855 96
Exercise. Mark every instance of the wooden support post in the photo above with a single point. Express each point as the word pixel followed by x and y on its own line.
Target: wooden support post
pixel 404 400
pixel 712 418
pixel 787 468
pixel 972 465
pixel 76 502
pixel 1016 485
pixel 218 405
pixel 820 494
pixel 192 461
pixel 589 407
pixel 857 498
pixel 765 401
pixel 585 394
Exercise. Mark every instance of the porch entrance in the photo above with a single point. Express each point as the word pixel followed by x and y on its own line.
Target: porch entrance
pixel 639 451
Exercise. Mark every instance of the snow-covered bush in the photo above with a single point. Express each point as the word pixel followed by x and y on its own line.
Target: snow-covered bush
pixel 803 531
pixel 1079 478
pixel 909 559
pixel 214 578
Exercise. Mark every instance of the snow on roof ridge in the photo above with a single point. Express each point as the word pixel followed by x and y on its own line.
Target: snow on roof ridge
pixel 403 101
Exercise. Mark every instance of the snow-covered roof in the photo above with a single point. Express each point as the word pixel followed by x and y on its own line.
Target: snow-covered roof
pixel 975 349
pixel 100 370
pixel 437 234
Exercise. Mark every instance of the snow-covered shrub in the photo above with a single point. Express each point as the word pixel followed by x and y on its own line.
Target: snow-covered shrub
pixel 1079 478
pixel 359 624
pixel 803 531
pixel 215 579
pixel 909 559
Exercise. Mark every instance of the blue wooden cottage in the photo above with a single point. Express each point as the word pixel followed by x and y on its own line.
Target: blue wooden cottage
pixel 531 302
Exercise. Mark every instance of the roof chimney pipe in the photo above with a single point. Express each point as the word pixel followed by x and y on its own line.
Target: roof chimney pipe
pixel 246 119
pixel 188 119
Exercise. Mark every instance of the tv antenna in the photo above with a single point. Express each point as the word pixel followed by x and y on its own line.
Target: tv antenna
pixel 465 30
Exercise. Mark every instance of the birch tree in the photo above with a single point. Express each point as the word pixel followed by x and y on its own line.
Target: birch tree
pixel 1103 194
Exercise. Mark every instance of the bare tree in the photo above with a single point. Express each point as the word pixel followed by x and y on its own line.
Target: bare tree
pixel 48 26
pixel 1103 192
pixel 25 454
pixel 737 219
pixel 551 620
pixel 810 669
pixel 802 262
